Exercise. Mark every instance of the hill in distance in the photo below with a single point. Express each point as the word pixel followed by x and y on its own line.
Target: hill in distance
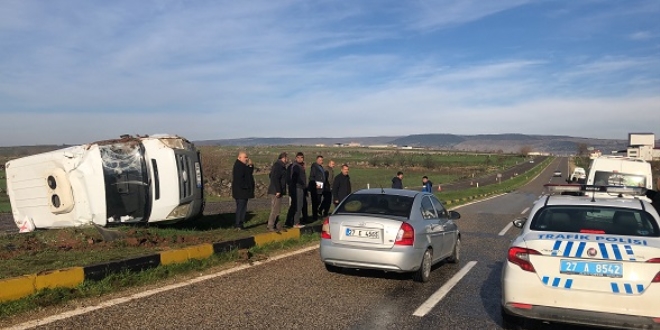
pixel 509 143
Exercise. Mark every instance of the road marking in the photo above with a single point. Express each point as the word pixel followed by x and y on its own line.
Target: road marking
pixel 442 292
pixel 506 228
pixel 121 300
pixel 477 201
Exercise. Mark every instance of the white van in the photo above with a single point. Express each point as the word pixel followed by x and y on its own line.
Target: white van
pixel 578 174
pixel 620 171
pixel 132 179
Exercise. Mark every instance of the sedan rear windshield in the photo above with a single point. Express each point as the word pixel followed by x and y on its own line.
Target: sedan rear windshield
pixel 595 220
pixel 377 204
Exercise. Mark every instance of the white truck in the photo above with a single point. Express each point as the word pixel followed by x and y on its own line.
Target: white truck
pixel 620 171
pixel 155 178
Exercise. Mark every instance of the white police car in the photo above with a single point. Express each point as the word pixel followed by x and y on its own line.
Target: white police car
pixel 585 260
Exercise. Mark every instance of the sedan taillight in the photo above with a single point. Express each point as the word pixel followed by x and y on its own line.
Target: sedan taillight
pixel 325 229
pixel 406 235
pixel 656 278
pixel 520 257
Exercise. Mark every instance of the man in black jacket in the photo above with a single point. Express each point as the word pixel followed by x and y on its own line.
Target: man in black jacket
pixel 316 183
pixel 242 186
pixel 397 181
pixel 297 185
pixel 327 189
pixel 277 189
pixel 341 187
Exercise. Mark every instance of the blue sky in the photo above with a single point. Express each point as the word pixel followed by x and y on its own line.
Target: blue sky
pixel 77 71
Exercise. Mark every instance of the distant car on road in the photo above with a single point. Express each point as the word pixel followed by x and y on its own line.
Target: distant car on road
pixel 586 260
pixel 557 173
pixel 578 174
pixel 394 230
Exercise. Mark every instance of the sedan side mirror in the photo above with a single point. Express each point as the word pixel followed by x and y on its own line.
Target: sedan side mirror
pixel 453 215
pixel 520 222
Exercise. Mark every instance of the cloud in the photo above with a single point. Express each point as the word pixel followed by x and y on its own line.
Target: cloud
pixel 434 14
pixel 640 35
pixel 79 71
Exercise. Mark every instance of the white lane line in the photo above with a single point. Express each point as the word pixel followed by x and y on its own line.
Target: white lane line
pixel 510 224
pixel 121 300
pixel 477 201
pixel 434 299
pixel 506 228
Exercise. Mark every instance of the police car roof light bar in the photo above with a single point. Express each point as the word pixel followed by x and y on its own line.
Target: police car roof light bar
pixel 621 190
pixel 560 188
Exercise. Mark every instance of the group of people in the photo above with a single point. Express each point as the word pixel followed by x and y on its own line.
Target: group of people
pixel 397 182
pixel 323 187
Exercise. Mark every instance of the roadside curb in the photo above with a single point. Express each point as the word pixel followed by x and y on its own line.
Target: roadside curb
pixel 15 288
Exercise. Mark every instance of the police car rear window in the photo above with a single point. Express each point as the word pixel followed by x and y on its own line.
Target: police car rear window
pixel 595 220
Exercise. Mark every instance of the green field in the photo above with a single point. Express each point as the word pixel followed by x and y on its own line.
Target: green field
pixel 4 199
pixel 372 167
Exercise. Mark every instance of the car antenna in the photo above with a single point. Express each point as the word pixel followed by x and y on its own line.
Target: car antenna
pixel 382 191
pixel 593 195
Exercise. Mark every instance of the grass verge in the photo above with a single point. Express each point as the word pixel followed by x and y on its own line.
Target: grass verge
pixel 42 250
pixel 4 199
pixel 125 280
pixel 461 197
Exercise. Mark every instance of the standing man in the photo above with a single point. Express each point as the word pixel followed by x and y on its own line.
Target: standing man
pixel 277 189
pixel 427 185
pixel 242 187
pixel 341 187
pixel 316 183
pixel 327 188
pixel 397 181
pixel 297 185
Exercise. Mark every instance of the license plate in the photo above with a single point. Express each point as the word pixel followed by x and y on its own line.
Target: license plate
pixel 198 175
pixel 363 233
pixel 591 268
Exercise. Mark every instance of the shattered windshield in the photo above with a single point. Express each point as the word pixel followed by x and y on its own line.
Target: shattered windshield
pixel 126 181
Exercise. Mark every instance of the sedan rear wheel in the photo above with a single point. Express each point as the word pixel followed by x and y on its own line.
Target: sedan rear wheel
pixel 456 254
pixel 424 271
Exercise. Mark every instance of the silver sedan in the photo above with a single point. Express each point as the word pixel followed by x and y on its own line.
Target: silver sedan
pixel 393 230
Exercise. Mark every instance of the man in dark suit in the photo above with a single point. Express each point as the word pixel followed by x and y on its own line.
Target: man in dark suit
pixel 242 187
pixel 341 186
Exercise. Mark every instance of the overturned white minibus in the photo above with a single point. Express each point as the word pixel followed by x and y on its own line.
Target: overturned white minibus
pixel 155 178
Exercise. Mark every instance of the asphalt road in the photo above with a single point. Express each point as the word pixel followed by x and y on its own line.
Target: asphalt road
pixel 298 293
